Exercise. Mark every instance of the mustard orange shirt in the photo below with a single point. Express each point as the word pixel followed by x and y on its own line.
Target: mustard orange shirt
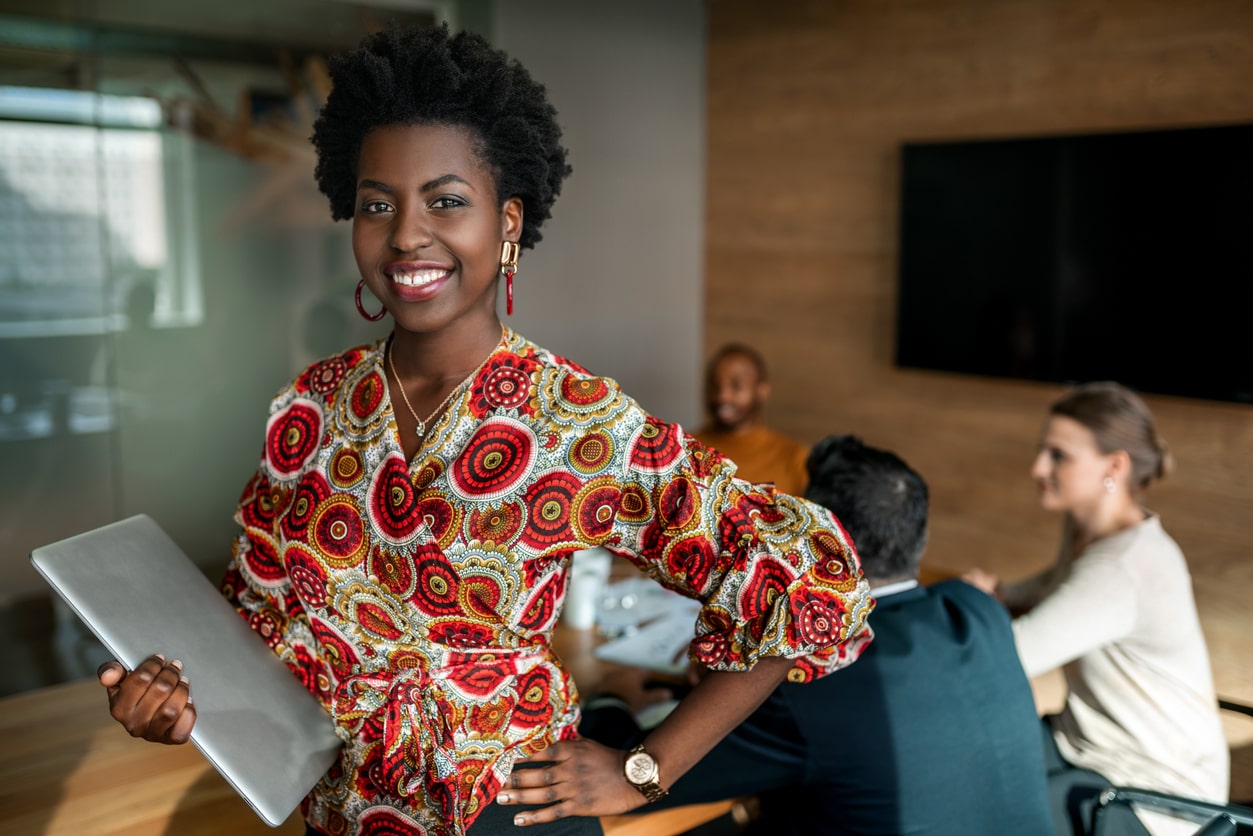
pixel 762 455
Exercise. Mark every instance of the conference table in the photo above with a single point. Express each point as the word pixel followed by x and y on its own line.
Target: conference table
pixel 69 770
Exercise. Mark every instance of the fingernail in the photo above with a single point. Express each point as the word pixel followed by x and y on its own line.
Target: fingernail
pixel 185 681
pixel 519 821
pixel 503 798
pixel 160 656
pixel 177 664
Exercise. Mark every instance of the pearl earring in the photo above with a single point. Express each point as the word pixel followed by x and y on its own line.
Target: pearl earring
pixel 1110 484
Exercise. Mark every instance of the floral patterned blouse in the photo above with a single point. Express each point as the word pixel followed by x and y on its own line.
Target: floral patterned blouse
pixel 417 598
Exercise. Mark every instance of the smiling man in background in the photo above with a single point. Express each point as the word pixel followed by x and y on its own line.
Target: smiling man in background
pixel 736 390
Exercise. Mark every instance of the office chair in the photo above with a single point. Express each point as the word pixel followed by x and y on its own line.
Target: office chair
pixel 1211 818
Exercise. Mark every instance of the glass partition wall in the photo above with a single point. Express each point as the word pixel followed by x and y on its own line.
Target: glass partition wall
pixel 166 264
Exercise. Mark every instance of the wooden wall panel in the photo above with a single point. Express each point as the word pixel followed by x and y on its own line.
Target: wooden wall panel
pixel 809 102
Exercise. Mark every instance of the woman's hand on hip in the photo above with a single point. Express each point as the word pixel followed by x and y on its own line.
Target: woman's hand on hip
pixel 578 778
pixel 153 701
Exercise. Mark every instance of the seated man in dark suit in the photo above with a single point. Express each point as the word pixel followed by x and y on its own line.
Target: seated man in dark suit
pixel 932 731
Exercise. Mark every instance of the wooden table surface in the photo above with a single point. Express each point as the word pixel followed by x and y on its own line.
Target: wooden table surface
pixel 70 770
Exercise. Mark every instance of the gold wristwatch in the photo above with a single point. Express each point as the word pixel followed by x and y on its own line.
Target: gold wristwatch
pixel 643 773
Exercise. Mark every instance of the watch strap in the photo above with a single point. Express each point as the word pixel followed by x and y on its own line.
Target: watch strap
pixel 652 790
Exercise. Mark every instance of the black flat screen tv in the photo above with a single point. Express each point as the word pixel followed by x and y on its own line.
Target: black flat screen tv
pixel 1118 256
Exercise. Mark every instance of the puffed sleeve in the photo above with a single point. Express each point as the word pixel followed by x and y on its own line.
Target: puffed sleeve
pixel 777 575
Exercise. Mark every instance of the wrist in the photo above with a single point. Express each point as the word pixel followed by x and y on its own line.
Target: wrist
pixel 643 772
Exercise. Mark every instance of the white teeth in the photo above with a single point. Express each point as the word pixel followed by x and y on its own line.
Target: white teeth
pixel 418 279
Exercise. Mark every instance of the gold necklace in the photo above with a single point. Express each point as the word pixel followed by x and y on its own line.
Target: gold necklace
pixel 422 425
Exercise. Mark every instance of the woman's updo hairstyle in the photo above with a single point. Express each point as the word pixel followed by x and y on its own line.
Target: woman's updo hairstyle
pixel 429 76
pixel 1119 420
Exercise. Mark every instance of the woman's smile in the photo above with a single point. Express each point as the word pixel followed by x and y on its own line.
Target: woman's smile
pixel 416 281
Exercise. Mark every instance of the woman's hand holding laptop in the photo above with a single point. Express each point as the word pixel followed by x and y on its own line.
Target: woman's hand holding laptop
pixel 153 701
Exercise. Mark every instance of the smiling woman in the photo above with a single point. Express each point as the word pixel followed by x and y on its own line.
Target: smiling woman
pixel 410 570
pixel 428 234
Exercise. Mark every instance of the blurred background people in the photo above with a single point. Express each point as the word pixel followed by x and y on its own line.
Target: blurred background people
pixel 932 732
pixel 736 390
pixel 1116 613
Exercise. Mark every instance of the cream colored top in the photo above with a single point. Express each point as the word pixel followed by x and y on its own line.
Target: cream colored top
pixel 1121 619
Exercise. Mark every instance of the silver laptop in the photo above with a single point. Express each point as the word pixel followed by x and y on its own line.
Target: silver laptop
pixel 140 594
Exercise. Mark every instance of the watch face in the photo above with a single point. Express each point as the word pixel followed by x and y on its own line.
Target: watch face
pixel 640 768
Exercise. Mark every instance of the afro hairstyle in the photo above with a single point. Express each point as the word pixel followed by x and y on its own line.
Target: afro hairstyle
pixel 429 76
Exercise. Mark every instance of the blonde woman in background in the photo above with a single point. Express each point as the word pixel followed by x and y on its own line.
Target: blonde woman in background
pixel 1117 614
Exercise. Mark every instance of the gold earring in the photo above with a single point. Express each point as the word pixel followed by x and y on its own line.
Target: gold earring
pixel 509 266
pixel 509 256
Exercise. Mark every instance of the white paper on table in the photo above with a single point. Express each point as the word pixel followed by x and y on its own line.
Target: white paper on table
pixel 631 602
pixel 660 645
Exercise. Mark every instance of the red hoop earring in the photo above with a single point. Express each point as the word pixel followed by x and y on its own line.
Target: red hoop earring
pixel 509 266
pixel 361 310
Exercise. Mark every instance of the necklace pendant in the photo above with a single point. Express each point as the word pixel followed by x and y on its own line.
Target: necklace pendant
pixel 419 424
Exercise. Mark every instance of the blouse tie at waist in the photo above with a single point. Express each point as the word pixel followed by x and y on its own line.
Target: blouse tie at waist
pixel 452 731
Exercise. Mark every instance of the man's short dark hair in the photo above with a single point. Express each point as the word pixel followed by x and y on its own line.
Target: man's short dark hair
pixel 739 350
pixel 879 500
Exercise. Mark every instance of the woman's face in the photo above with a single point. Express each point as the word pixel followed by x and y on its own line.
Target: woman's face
pixel 1070 469
pixel 427 229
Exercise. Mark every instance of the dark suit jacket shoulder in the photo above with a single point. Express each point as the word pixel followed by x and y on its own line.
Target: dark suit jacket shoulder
pixel 932 731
